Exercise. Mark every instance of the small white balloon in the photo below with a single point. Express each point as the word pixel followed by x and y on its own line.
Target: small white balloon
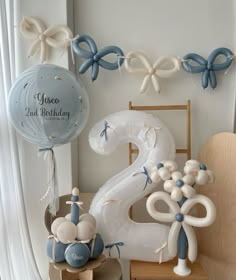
pixel 68 216
pixel 155 177
pixel 191 169
pixel 56 223
pixel 85 230
pixel 67 232
pixel 202 177
pixel 171 165
pixel 189 179
pixel 176 175
pixel 88 218
pixel 164 173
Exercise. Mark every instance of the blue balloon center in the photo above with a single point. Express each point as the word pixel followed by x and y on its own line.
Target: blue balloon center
pixel 96 57
pixel 160 165
pixel 203 166
pixel 179 217
pixel 179 183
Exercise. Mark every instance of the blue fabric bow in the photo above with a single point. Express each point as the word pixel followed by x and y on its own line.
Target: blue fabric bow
pixel 94 57
pixel 148 179
pixel 104 132
pixel 207 67
pixel 117 244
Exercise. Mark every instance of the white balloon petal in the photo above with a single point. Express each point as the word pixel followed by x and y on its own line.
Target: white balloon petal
pixel 202 177
pixel 176 194
pixel 189 179
pixel 188 191
pixel 176 175
pixel 169 185
pixel 171 165
pixel 164 173
pixel 155 177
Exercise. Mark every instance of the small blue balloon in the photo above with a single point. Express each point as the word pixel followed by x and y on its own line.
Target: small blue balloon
pixel 94 57
pixel 48 106
pixel 77 254
pixel 56 250
pixel 207 67
pixel 96 246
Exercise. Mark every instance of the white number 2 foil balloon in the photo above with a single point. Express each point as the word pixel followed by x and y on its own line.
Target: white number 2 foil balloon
pixel 112 202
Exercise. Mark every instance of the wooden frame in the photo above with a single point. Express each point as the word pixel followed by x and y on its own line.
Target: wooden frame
pixel 186 107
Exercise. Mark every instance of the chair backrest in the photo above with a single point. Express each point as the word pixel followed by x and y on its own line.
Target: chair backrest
pixel 217 245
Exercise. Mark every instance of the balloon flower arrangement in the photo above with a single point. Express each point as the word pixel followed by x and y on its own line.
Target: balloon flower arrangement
pixel 74 238
pixel 181 197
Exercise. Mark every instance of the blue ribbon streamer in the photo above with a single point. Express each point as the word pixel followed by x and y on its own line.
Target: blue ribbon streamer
pixel 148 179
pixel 104 132
pixel 207 67
pixel 117 244
pixel 94 57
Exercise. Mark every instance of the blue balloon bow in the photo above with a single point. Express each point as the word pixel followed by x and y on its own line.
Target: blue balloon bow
pixel 207 67
pixel 94 57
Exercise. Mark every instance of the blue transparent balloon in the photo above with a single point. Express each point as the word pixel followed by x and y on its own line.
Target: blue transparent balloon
pixel 48 106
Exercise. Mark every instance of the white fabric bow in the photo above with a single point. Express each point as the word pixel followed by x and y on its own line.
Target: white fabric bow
pixel 152 72
pixel 56 36
pixel 179 217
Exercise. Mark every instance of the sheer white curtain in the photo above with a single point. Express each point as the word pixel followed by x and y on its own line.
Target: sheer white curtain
pixel 16 256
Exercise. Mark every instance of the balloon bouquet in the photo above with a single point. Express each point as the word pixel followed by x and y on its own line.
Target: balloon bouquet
pixel 74 238
pixel 49 107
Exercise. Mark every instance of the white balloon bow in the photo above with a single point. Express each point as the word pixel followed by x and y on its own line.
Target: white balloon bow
pixel 56 36
pixel 152 72
pixel 179 216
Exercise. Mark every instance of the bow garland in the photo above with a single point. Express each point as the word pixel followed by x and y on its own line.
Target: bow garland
pixel 59 36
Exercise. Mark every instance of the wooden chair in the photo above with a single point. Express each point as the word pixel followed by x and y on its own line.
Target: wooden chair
pixel 149 270
pixel 217 245
pixel 109 270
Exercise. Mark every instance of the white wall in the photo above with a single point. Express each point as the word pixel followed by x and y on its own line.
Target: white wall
pixel 34 168
pixel 157 27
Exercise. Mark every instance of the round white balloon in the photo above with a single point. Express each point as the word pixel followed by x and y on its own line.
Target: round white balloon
pixel 66 232
pixel 88 218
pixel 56 223
pixel 86 230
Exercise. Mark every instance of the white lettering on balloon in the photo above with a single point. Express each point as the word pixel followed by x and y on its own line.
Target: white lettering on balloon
pixel 75 257
pixel 136 240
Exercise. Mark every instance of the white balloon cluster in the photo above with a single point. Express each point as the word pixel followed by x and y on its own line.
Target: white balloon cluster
pixel 67 232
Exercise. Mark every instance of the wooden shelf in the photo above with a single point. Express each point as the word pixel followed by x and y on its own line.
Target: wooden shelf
pixel 155 271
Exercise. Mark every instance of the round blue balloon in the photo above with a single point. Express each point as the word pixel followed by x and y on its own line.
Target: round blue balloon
pixel 56 250
pixel 97 247
pixel 48 106
pixel 77 254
